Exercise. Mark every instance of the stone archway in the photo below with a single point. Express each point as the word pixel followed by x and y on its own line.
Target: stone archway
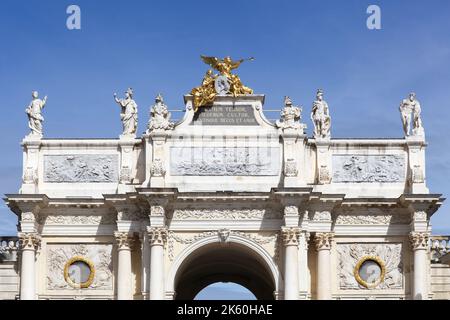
pixel 209 261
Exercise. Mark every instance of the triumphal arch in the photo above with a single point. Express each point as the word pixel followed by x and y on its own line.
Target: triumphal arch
pixel 224 194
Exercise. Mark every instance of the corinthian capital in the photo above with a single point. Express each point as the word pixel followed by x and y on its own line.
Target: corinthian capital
pixel 157 235
pixel 124 240
pixel 290 235
pixel 323 240
pixel 419 240
pixel 29 240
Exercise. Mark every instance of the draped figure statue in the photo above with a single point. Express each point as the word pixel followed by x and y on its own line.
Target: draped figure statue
pixel 128 114
pixel 34 112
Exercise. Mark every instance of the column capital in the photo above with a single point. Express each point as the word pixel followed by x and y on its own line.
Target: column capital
pixel 323 240
pixel 157 235
pixel 124 240
pixel 419 240
pixel 29 240
pixel 290 235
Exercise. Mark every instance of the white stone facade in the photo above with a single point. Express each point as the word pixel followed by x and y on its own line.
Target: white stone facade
pixel 225 197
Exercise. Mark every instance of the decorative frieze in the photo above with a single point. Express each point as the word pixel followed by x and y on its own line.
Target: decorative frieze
pixel 349 254
pixel 79 168
pixel 362 219
pixel 157 235
pixel 29 240
pixel 419 240
pixel 77 219
pixel 368 168
pixel 225 161
pixel 99 254
pixel 323 240
pixel 225 214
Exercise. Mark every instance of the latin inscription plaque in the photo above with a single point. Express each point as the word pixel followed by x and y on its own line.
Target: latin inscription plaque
pixel 219 115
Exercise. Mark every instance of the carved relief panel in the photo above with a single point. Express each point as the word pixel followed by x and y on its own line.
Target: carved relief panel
pixel 58 255
pixel 350 255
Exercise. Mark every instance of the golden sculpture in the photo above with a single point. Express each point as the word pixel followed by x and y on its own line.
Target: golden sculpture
pixel 219 84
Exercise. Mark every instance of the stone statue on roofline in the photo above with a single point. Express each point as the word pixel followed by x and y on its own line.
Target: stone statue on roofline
pixel 159 116
pixel 410 106
pixel 128 114
pixel 320 116
pixel 290 116
pixel 34 113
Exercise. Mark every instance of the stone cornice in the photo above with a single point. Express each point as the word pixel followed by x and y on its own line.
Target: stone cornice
pixel 428 203
pixel 20 203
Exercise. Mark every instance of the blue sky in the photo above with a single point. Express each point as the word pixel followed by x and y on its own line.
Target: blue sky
pixel 154 46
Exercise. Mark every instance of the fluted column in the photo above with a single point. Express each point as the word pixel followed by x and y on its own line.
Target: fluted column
pixel 29 242
pixel 290 241
pixel 323 245
pixel 419 244
pixel 157 238
pixel 124 243
pixel 304 282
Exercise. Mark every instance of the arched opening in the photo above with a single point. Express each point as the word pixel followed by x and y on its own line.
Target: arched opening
pixel 219 262
pixel 225 291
